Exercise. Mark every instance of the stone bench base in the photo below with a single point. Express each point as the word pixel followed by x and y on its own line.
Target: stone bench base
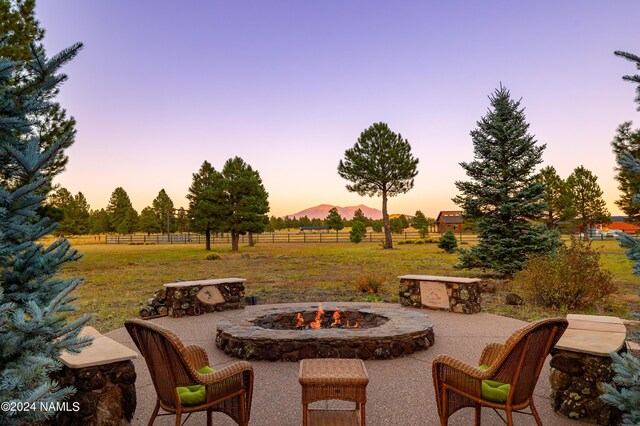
pixel 203 296
pixel 461 295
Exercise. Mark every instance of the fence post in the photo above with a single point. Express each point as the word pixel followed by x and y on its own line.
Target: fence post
pixel 273 237
pixel 305 237
pixel 288 237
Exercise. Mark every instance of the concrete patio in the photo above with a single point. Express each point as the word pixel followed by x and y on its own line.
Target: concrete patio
pixel 400 391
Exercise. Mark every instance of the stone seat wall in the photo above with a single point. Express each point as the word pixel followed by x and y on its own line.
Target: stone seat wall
pixel 104 377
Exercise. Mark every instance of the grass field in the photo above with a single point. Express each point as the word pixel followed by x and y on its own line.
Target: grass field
pixel 118 278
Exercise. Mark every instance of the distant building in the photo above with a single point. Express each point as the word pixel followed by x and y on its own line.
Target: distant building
pixel 449 221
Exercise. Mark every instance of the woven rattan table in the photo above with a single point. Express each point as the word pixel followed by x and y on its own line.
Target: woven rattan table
pixel 335 378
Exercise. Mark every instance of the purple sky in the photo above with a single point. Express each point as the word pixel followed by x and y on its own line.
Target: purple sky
pixel 289 85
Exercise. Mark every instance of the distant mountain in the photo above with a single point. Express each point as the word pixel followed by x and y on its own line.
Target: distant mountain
pixel 321 211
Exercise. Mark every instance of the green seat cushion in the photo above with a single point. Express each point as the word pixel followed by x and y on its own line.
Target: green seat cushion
pixel 494 391
pixel 195 394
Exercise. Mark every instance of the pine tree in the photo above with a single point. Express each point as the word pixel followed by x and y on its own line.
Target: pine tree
pixel 358 230
pixel 557 198
pixel 358 216
pixel 122 216
pixel 33 331
pixel 627 141
pixel 99 222
pixel 420 223
pixel 75 209
pixel 448 242
pixel 148 221
pixel 207 208
pixel 334 220
pixel 586 199
pixel 163 208
pixel 245 198
pixel 627 367
pixel 380 164
pixel 182 220
pixel 22 35
pixel 503 194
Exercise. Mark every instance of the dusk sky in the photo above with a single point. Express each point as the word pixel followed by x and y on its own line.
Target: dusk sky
pixel 289 85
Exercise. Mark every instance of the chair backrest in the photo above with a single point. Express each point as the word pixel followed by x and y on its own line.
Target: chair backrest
pixel 165 356
pixel 524 354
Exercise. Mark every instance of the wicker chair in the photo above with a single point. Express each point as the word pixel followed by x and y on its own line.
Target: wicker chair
pixel 518 363
pixel 171 365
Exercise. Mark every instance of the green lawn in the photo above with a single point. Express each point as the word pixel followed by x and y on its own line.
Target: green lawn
pixel 118 278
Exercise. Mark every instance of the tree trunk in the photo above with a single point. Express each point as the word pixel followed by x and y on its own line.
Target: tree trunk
pixel 235 239
pixel 207 239
pixel 388 243
pixel 252 243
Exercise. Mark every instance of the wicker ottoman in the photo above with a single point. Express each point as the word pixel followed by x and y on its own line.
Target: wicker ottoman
pixel 342 379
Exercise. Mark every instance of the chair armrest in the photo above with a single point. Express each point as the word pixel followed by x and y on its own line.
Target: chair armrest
pixel 235 369
pixel 490 353
pixel 459 375
pixel 196 356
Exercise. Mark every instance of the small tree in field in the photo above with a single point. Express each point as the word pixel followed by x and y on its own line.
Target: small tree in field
pixel 380 164
pixel 557 197
pixel 358 230
pixel 163 208
pixel 420 224
pixel 334 220
pixel 448 242
pixel 33 300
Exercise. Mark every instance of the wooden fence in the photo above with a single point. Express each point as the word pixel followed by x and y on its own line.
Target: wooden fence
pixel 268 237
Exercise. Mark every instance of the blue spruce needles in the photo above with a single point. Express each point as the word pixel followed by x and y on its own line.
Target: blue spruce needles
pixel 33 330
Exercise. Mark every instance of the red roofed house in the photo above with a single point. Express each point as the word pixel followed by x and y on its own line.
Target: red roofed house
pixel 627 227
pixel 449 221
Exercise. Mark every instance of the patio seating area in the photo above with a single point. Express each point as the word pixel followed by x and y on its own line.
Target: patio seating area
pixel 400 391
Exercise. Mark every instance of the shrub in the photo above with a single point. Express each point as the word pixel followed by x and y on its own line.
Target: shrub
pixel 401 242
pixel 408 241
pixel 570 278
pixel 418 242
pixel 212 256
pixel 358 231
pixel 448 242
pixel 369 284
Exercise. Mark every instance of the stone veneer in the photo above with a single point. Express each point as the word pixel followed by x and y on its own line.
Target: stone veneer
pixel 461 295
pixel 105 396
pixel 104 378
pixel 580 364
pixel 404 333
pixel 182 297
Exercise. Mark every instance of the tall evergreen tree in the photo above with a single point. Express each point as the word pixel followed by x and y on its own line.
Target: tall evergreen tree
pixel 33 331
pixel 50 125
pixel 207 208
pixel 626 366
pixel 380 164
pixel 75 210
pixel 557 198
pixel 421 223
pixel 99 222
pixel 503 194
pixel 148 221
pixel 122 216
pixel 586 198
pixel 627 141
pixel 182 220
pixel 163 208
pixel 245 198
pixel 358 216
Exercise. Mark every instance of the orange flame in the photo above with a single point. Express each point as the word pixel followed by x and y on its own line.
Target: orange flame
pixel 300 320
pixel 317 323
pixel 336 319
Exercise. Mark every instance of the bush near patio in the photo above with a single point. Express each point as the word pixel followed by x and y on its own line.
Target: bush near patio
pixel 448 242
pixel 571 278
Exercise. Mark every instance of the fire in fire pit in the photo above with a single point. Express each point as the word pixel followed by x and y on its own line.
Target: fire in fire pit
pixel 321 319
pixel 336 321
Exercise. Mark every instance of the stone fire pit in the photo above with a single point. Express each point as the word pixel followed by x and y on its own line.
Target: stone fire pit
pixel 276 333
